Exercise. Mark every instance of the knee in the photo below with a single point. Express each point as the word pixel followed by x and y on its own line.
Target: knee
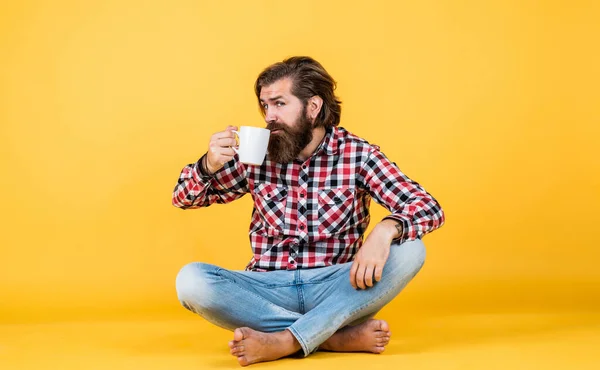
pixel 192 284
pixel 408 258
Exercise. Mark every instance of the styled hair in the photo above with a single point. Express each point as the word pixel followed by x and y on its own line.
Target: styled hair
pixel 309 78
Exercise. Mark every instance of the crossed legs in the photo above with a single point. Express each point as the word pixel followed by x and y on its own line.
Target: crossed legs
pixel 275 314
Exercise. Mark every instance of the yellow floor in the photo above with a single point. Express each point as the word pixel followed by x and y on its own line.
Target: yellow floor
pixel 566 340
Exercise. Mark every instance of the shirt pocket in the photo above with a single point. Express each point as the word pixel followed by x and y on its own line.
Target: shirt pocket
pixel 270 202
pixel 336 210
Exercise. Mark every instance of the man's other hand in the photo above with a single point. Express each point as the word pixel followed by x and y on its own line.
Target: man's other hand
pixel 370 259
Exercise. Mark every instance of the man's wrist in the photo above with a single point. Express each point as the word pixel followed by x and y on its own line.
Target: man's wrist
pixel 392 228
pixel 203 167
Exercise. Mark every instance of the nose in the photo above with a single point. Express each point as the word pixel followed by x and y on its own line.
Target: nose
pixel 270 116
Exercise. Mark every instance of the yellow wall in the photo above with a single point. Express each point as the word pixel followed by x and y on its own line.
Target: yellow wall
pixel 492 106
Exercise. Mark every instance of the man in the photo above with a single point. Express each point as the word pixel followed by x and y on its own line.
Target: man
pixel 313 282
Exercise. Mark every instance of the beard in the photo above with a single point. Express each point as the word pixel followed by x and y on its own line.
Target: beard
pixel 286 145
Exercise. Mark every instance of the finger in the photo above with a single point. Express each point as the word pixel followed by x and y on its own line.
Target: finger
pixel 223 134
pixel 353 274
pixel 226 142
pixel 378 272
pixel 218 150
pixel 228 153
pixel 369 275
pixel 230 127
pixel 360 277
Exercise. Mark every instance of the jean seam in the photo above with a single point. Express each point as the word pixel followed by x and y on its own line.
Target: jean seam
pixel 276 285
pixel 303 282
pixel 334 276
pixel 267 285
pixel 320 281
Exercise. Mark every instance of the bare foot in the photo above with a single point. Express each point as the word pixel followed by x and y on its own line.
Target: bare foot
pixel 370 336
pixel 251 346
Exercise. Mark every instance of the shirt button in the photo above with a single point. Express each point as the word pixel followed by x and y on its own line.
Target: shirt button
pixel 301 195
pixel 301 227
pixel 304 166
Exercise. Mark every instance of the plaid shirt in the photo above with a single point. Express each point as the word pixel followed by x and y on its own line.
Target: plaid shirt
pixel 314 213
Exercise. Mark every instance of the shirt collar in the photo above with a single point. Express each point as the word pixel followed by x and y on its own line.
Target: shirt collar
pixel 330 142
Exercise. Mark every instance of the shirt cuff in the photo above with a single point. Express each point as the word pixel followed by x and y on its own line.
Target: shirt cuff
pixel 405 228
pixel 199 173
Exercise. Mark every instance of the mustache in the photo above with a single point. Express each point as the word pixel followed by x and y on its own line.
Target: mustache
pixel 275 126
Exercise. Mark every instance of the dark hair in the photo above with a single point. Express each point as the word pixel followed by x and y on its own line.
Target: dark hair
pixel 309 78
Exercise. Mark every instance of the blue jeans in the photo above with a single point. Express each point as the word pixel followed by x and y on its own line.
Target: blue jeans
pixel 312 303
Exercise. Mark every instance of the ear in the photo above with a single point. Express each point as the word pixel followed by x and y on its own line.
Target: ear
pixel 314 106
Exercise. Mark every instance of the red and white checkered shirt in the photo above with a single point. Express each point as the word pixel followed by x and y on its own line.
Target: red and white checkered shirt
pixel 314 213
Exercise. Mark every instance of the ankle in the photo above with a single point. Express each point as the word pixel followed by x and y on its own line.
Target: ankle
pixel 331 343
pixel 326 346
pixel 290 341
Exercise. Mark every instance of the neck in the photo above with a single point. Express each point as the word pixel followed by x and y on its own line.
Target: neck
pixel 318 135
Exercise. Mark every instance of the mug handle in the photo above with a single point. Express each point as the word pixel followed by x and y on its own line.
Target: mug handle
pixel 238 137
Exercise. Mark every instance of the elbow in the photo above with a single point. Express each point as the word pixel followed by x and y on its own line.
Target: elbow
pixel 441 218
pixel 438 214
pixel 178 203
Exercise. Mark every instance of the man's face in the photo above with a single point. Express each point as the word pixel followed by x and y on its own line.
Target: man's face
pixel 291 129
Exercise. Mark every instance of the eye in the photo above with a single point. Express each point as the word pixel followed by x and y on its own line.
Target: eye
pixel 265 106
pixel 280 104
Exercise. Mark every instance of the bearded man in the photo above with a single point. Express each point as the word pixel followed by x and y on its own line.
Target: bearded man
pixel 314 281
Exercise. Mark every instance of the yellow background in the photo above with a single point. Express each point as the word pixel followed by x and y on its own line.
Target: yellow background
pixel 491 106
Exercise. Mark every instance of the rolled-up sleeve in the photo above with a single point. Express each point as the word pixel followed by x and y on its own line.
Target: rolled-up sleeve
pixel 195 190
pixel 409 203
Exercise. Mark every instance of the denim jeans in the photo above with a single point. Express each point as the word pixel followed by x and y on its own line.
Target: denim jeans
pixel 312 303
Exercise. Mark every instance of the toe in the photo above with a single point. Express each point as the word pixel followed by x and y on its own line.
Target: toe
pixel 238 334
pixel 237 351
pixel 379 349
pixel 383 325
pixel 380 334
pixel 243 361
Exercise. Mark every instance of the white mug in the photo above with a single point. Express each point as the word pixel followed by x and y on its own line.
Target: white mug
pixel 253 144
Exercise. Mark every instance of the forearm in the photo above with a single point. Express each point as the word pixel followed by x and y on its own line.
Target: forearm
pixel 198 187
